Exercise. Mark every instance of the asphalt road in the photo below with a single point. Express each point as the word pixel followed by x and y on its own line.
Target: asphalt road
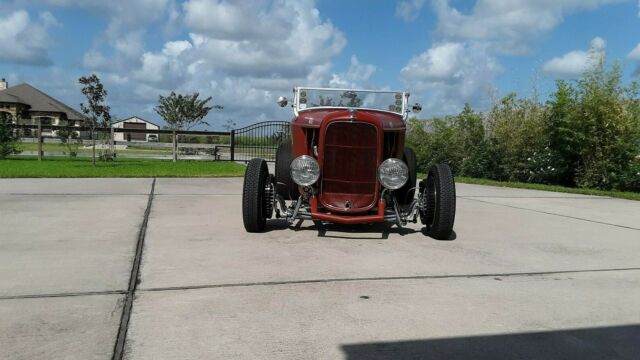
pixel 144 269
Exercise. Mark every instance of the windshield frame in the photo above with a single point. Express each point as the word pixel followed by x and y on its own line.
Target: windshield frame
pixel 296 98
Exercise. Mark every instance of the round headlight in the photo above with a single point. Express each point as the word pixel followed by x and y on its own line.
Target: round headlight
pixel 305 170
pixel 393 173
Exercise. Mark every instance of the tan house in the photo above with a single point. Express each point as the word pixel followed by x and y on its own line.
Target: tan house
pixel 136 123
pixel 33 106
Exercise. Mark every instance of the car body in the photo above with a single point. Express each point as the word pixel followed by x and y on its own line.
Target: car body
pixel 347 163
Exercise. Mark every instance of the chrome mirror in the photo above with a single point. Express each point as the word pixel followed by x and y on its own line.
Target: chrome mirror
pixel 416 108
pixel 282 101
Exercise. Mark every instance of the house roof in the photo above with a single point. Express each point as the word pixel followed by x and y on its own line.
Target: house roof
pixel 37 101
pixel 135 117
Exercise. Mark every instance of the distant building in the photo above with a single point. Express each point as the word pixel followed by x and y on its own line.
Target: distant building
pixel 135 123
pixel 29 106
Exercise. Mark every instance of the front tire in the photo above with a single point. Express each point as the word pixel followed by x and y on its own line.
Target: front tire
pixel 407 192
pixel 285 187
pixel 254 202
pixel 438 210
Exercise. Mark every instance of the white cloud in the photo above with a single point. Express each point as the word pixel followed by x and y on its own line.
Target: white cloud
pixel 452 73
pixel 284 39
pixel 408 10
pixel 635 53
pixel 127 24
pixel 508 26
pixel 355 77
pixel 575 63
pixel 462 63
pixel 25 40
pixel 244 67
pixel 635 56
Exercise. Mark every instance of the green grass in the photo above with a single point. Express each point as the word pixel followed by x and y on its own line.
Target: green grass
pixel 554 188
pixel 63 148
pixel 29 167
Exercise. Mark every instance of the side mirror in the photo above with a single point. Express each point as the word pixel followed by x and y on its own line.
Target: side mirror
pixel 416 108
pixel 282 101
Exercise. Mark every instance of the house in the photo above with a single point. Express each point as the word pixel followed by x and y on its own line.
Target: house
pixel 135 122
pixel 26 105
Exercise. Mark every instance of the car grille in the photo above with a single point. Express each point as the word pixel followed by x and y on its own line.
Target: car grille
pixel 349 166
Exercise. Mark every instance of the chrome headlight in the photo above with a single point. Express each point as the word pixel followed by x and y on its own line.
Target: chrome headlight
pixel 305 170
pixel 393 173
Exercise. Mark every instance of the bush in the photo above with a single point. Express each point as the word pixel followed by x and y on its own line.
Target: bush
pixel 457 141
pixel 587 135
pixel 8 138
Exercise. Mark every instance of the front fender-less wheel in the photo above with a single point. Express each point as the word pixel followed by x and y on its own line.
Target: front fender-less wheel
pixel 285 187
pixel 407 192
pixel 255 202
pixel 438 207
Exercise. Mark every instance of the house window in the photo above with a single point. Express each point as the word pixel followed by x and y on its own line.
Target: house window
pixel 45 120
pixel 5 117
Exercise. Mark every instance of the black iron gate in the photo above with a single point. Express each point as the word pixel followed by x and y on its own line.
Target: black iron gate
pixel 259 140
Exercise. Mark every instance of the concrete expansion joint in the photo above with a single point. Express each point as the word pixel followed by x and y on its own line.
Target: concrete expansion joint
pixel 119 346
pixel 65 294
pixel 389 278
pixel 549 213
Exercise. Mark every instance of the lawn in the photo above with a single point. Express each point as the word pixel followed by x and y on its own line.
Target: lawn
pixel 29 167
pixel 542 187
pixel 554 188
pixel 63 149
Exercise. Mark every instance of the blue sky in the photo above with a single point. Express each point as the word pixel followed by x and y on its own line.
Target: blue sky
pixel 247 53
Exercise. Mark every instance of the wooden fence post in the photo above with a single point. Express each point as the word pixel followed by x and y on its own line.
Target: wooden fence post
pixel 175 146
pixel 233 145
pixel 39 139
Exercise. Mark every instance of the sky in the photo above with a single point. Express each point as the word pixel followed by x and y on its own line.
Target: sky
pixel 246 53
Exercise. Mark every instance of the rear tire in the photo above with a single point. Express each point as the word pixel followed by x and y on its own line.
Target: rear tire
pixel 439 209
pixel 406 193
pixel 253 196
pixel 285 187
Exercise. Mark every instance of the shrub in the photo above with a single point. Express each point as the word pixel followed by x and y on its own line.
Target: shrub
pixel 608 127
pixel 458 141
pixel 587 134
pixel 8 137
pixel 518 144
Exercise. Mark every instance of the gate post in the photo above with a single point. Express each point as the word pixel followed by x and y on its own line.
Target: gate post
pixel 39 139
pixel 233 145
pixel 175 146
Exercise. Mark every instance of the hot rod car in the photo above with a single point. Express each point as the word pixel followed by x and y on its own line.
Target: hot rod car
pixel 347 163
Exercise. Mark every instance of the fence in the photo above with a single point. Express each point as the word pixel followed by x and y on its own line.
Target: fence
pixel 260 140
pixel 257 140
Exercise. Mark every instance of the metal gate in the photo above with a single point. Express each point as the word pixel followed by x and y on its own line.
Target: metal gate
pixel 259 140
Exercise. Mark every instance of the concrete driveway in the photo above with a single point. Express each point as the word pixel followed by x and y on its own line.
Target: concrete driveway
pixel 162 269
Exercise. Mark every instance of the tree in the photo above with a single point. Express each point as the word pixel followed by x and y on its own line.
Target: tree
pixel 183 112
pixel 608 128
pixel 8 137
pixel 518 142
pixel 561 124
pixel 472 143
pixel 96 110
pixel 69 138
pixel 229 125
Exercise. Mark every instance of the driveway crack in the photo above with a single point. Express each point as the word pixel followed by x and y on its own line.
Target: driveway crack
pixel 119 347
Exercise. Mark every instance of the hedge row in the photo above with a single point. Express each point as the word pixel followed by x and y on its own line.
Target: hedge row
pixel 586 135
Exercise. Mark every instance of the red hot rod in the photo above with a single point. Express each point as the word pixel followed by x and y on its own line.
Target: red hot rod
pixel 347 163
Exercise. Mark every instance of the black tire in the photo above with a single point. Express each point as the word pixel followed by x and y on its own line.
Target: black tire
pixel 253 196
pixel 406 193
pixel 439 190
pixel 285 187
